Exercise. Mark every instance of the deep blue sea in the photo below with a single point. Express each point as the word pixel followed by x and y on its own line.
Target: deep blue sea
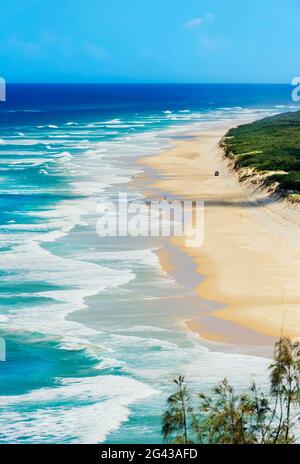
pixel 93 327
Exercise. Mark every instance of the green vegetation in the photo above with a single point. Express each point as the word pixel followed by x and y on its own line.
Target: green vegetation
pixel 229 417
pixel 271 144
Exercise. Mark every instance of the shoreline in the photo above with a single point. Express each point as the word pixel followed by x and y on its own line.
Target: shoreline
pixel 249 264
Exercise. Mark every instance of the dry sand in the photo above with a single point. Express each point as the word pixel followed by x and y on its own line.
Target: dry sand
pixel 250 257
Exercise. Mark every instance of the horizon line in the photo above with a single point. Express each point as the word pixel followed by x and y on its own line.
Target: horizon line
pixel 147 83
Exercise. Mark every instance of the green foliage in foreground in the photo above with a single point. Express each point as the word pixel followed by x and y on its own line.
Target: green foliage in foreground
pixel 228 417
pixel 271 144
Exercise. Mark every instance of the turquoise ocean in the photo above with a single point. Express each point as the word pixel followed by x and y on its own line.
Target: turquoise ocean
pixel 93 326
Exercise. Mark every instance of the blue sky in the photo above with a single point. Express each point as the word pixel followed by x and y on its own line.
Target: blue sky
pixel 149 40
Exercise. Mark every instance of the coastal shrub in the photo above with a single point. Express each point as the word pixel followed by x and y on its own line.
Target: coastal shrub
pixel 288 182
pixel 178 419
pixel 271 144
pixel 226 416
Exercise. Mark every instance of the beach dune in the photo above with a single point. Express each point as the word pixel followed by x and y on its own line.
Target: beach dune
pixel 250 257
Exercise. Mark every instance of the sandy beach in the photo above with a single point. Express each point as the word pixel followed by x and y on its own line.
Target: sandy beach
pixel 249 262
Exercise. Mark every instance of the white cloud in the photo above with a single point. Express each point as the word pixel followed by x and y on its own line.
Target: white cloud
pixel 193 23
pixel 198 21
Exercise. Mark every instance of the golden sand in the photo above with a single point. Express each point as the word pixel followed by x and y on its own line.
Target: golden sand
pixel 250 257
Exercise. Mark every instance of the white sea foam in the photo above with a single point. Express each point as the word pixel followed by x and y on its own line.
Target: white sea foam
pixel 63 156
pixel 111 121
pixel 28 162
pixel 56 222
pixel 119 126
pixel 60 137
pixel 147 257
pixel 53 414
pixel 79 279
pixel 24 142
pixel 49 126
pixel 142 328
pixel 144 342
pixel 202 367
pixel 60 410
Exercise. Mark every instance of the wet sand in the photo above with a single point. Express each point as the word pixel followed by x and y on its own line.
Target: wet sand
pixel 249 263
